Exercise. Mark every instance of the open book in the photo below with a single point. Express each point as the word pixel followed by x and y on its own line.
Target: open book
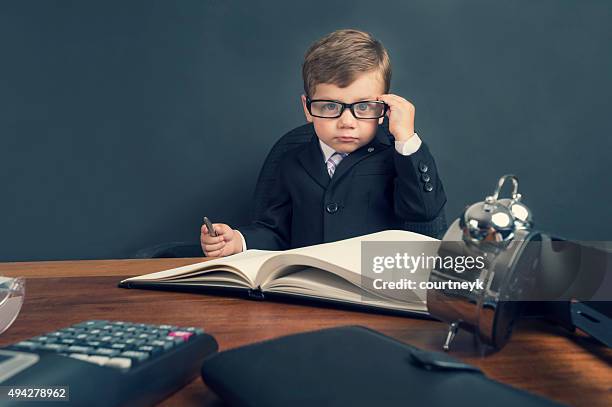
pixel 328 272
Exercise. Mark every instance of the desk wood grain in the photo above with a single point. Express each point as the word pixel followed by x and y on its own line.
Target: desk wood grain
pixel 543 359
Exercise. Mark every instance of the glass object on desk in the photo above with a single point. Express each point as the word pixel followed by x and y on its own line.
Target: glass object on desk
pixel 12 291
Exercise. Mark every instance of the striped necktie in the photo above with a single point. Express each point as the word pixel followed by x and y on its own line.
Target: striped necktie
pixel 333 161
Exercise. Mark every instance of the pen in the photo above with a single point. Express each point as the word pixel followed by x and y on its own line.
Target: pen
pixel 209 226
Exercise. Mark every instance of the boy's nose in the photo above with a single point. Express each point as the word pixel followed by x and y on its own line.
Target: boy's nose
pixel 347 118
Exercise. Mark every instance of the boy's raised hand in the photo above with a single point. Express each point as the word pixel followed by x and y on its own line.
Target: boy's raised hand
pixel 401 116
pixel 226 243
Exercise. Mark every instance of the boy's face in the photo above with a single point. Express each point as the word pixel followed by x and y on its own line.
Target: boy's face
pixel 346 133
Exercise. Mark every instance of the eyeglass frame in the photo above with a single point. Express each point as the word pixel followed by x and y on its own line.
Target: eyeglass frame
pixel 350 106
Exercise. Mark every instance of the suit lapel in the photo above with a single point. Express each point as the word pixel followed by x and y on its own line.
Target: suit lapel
pixel 312 161
pixel 379 143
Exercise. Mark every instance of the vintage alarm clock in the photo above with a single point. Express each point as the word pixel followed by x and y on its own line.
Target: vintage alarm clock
pixel 498 232
pixel 494 222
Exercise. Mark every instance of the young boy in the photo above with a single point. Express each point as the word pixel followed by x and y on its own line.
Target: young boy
pixel 354 177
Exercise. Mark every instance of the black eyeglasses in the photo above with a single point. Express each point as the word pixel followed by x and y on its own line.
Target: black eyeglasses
pixel 331 109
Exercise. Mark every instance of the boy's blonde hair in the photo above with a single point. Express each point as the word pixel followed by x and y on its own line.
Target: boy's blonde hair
pixel 340 56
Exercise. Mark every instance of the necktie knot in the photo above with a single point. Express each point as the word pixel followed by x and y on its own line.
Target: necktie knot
pixel 333 161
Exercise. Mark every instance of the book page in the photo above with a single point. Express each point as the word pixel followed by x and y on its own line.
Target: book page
pixel 325 285
pixel 342 258
pixel 239 268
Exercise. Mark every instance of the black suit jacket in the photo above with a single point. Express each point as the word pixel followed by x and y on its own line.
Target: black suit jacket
pixel 373 189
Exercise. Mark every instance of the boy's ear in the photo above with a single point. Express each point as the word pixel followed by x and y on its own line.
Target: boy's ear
pixel 308 116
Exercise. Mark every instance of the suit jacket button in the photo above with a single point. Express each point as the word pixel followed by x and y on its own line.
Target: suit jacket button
pixel 425 177
pixel 423 167
pixel 428 187
pixel 332 207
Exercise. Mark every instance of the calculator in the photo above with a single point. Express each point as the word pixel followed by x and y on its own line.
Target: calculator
pixel 103 363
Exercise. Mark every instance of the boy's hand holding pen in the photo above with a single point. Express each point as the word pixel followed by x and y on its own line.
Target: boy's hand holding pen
pixel 219 239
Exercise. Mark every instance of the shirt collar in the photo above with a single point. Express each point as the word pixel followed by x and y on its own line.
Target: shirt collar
pixel 327 151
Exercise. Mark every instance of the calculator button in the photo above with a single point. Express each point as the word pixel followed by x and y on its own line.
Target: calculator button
pixel 135 355
pixel 195 330
pixel 149 349
pixel 106 352
pixel 79 356
pixel 183 335
pixel 122 363
pixel 135 341
pixel 164 344
pixel 55 347
pixel 28 345
pixel 80 349
pixel 88 324
pixel 99 360
pixel 176 340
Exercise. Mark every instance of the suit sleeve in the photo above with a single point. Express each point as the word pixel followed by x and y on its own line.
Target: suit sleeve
pixel 272 229
pixel 419 195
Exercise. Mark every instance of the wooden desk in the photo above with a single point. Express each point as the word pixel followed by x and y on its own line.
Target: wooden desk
pixel 543 359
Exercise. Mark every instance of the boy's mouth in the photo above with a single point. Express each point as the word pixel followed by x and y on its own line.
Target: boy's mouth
pixel 347 139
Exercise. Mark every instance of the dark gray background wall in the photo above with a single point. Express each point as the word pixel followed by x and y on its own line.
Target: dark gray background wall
pixel 122 123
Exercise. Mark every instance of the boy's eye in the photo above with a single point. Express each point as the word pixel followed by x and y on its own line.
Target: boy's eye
pixel 330 107
pixel 363 107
